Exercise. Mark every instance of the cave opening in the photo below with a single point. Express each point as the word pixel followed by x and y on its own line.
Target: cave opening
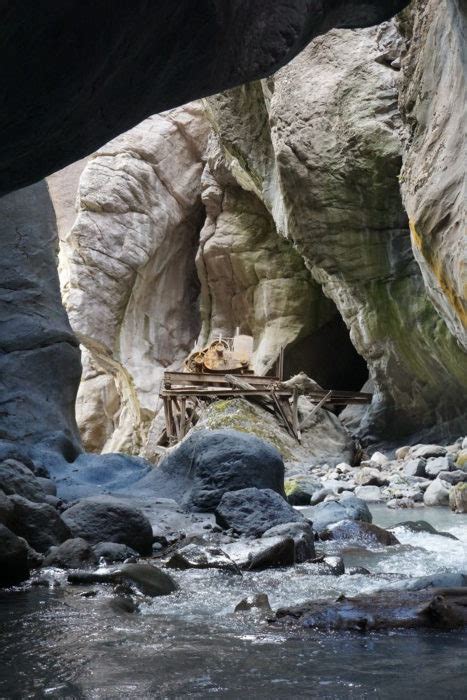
pixel 328 356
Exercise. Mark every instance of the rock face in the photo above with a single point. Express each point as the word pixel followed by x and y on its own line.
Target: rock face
pixel 39 359
pixel 134 238
pixel 182 52
pixel 281 203
pixel 109 520
pixel 432 100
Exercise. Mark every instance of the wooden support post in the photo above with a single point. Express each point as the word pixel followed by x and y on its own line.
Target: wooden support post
pixel 295 424
pixel 182 417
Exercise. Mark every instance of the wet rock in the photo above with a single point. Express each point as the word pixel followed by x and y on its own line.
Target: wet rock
pixel 35 559
pixel 402 452
pixel 302 535
pixel 358 571
pixel 17 479
pixel 107 519
pixel 38 523
pixel 379 458
pixel 359 532
pixel 319 496
pixel 437 493
pixel 123 604
pixel 421 526
pixel 369 493
pixel 6 508
pixel 458 498
pixel 351 508
pixel 415 467
pixel 452 580
pixel 300 489
pixel 252 511
pixel 435 465
pixel 114 552
pixel 210 463
pixel 384 610
pixel 258 601
pixel 194 556
pixel 404 502
pixel 461 459
pixel 14 566
pixel 148 579
pixel 71 554
pixel 263 553
pixel 427 451
pixel 332 565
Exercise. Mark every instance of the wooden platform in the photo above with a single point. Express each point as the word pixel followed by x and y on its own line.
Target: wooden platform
pixel 179 387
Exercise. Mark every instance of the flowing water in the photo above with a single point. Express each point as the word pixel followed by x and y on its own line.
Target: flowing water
pixel 56 643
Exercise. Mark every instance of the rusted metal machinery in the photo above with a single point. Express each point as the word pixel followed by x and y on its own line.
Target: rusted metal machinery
pixel 223 355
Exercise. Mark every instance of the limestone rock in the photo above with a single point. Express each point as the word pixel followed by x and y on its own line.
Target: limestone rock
pixel 437 493
pixel 17 479
pixel 458 498
pixel 432 102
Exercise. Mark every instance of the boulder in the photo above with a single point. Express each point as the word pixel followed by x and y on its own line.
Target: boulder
pixel 421 526
pixel 17 479
pixel 415 467
pixel 252 511
pixel 455 477
pixel 35 559
pixel 114 552
pixel 379 458
pixel 359 532
pixel 107 519
pixel 148 579
pixel 208 464
pixel 262 553
pixel 71 554
pixel 427 451
pixel 195 556
pixel 38 523
pixel 14 566
pixel 437 493
pixel 350 508
pixel 436 465
pixel 258 601
pixel 300 489
pixel 458 498
pixel 368 493
pixel 461 459
pixel 302 535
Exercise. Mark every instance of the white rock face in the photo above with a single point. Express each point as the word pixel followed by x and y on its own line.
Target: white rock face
pixel 129 283
pixel 433 105
pixel 276 208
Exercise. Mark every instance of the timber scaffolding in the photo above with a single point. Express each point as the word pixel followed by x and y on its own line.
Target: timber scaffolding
pixel 279 397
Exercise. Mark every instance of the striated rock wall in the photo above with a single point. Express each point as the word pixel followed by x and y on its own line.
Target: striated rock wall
pixel 324 153
pixel 276 208
pixel 433 104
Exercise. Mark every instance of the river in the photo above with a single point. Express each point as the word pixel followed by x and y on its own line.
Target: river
pixel 56 643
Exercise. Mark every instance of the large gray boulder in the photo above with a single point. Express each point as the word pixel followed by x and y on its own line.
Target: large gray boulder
pixel 39 523
pixel 107 519
pixel 14 566
pixel 252 511
pixel 209 464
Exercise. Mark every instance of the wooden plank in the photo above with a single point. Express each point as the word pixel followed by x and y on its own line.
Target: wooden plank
pixel 189 378
pixel 182 417
pixel 231 391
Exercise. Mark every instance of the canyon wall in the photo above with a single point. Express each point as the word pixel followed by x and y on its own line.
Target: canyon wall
pixel 280 208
